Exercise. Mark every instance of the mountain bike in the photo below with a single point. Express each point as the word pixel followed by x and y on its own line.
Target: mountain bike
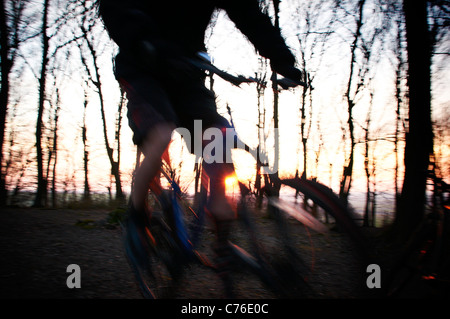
pixel 177 231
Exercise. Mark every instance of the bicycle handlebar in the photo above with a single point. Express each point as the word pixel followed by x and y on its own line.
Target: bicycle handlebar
pixel 208 66
pixel 204 63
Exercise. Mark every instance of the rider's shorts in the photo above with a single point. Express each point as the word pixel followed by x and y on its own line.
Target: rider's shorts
pixel 151 102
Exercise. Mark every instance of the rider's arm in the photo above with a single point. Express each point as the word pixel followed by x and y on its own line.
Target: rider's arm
pixel 136 33
pixel 258 28
pixel 126 24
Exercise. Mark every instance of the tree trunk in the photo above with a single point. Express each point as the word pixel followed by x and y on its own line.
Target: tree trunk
pixel 419 138
pixel 41 192
pixel 119 193
pixel 55 154
pixel 115 169
pixel 9 42
pixel 276 4
pixel 260 87
pixel 87 190
pixel 6 65
pixel 346 181
pixel 399 94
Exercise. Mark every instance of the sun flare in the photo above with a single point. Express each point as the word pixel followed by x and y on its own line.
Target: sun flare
pixel 231 181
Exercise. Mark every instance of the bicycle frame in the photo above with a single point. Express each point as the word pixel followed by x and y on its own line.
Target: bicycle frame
pixel 180 230
pixel 189 238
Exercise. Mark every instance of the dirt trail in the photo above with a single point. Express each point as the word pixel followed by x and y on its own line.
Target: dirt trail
pixel 37 246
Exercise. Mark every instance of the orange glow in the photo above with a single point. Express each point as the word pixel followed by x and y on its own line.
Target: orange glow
pixel 230 183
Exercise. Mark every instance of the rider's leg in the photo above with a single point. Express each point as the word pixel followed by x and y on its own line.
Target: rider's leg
pixel 223 215
pixel 218 204
pixel 149 113
pixel 151 118
pixel 198 102
pixel 218 171
pixel 152 147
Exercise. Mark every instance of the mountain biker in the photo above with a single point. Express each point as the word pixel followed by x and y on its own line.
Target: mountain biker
pixel 165 92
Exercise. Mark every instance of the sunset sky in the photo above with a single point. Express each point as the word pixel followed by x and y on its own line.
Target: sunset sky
pixel 233 53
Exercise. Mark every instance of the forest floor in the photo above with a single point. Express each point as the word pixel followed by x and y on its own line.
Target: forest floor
pixel 37 246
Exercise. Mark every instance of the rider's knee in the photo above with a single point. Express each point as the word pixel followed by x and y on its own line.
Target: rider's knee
pixel 217 163
pixel 157 139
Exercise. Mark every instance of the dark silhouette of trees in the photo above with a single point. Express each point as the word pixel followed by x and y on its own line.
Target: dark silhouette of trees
pixel 89 52
pixel 354 86
pixel 11 13
pixel 276 163
pixel 400 100
pixel 419 136
pixel 41 192
pixel 87 188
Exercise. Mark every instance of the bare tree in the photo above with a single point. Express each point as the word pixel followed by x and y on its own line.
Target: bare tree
pixel 11 13
pixel 87 190
pixel 312 38
pixel 117 138
pixel 276 7
pixel 41 191
pixel 400 99
pixel 95 79
pixel 42 181
pixel 17 160
pixel 261 84
pixel 370 195
pixel 348 169
pixel 53 148
pixel 361 53
pixel 419 138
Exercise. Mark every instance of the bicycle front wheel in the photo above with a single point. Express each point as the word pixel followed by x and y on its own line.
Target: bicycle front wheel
pixel 337 252
pixel 331 204
pixel 157 276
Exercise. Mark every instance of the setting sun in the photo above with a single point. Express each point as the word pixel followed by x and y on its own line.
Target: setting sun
pixel 231 181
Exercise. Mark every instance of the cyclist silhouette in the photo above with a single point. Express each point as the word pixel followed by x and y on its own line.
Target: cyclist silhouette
pixel 165 92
